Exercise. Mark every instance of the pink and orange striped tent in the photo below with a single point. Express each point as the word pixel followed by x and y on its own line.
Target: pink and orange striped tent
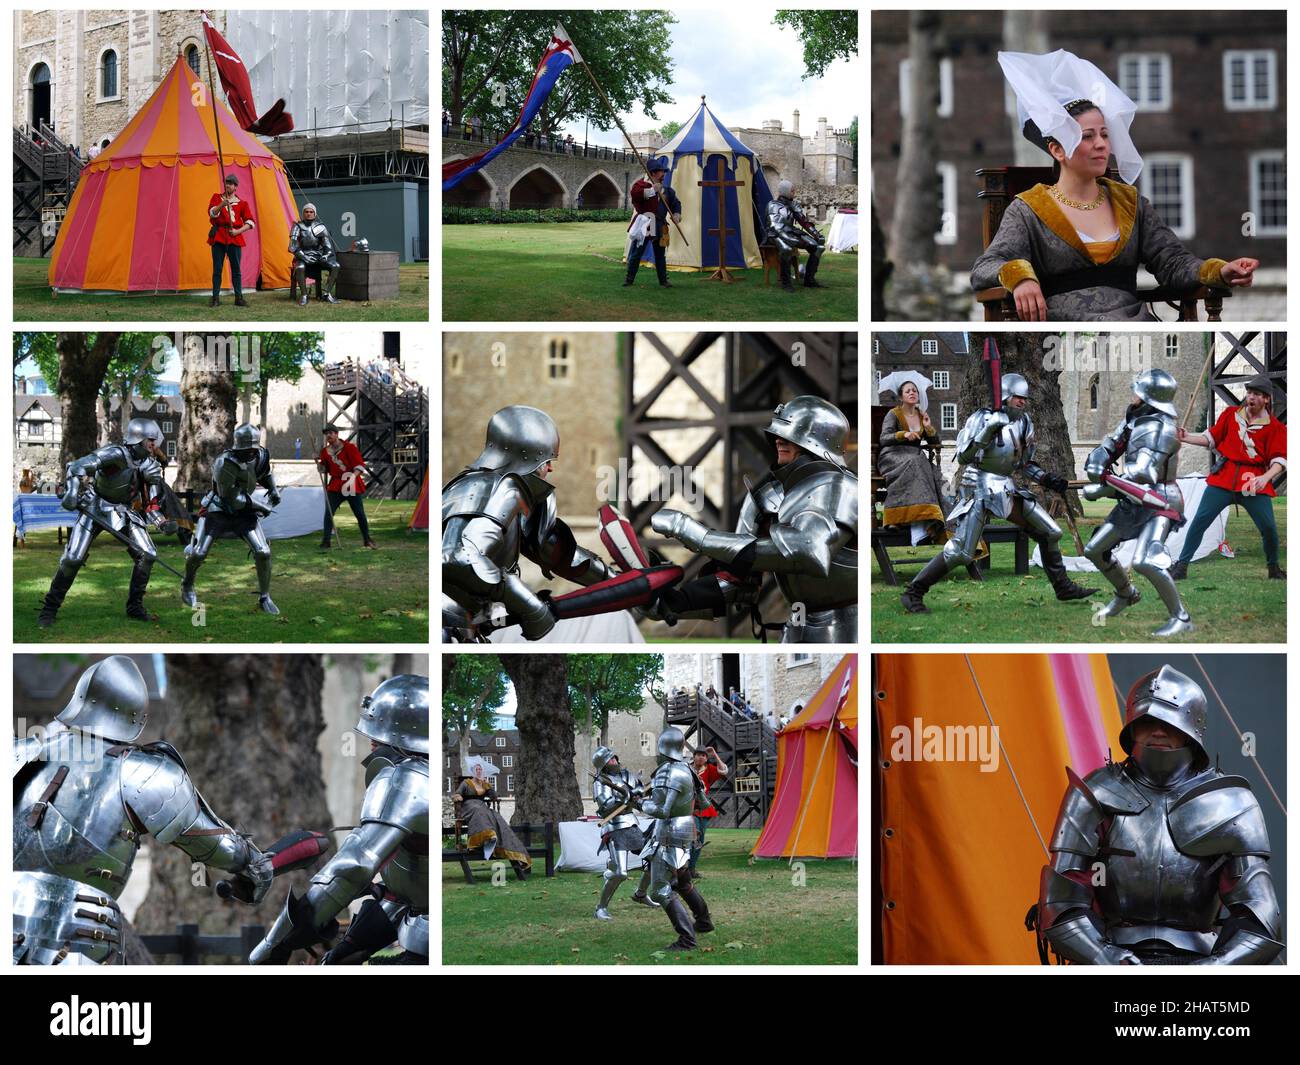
pixel 814 813
pixel 973 751
pixel 138 221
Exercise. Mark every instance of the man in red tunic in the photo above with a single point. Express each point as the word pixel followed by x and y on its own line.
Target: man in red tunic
pixel 341 462
pixel 710 769
pixel 231 219
pixel 652 201
pixel 1251 451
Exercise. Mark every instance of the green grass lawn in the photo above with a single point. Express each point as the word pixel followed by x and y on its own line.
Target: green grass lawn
pixel 350 595
pixel 34 301
pixel 1230 600
pixel 535 272
pixel 761 917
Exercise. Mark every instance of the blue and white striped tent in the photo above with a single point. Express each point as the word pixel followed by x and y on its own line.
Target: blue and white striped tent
pixel 704 149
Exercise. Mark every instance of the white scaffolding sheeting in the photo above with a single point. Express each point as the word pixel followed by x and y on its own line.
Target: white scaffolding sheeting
pixel 337 68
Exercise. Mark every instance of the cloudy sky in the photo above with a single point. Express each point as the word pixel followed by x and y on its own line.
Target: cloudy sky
pixel 750 70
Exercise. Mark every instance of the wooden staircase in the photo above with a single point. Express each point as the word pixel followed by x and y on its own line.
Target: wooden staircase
pixel 45 177
pixel 747 746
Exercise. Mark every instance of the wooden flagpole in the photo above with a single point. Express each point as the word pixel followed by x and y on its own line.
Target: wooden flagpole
pixel 216 125
pixel 614 115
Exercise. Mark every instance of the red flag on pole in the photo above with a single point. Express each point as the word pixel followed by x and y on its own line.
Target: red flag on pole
pixel 239 90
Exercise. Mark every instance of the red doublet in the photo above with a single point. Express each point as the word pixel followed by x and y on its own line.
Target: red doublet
pixel 349 458
pixel 1236 441
pixel 641 203
pixel 231 217
pixel 709 776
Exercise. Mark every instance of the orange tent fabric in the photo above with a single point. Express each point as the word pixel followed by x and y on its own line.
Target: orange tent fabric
pixel 961 849
pixel 138 220
pixel 420 517
pixel 814 812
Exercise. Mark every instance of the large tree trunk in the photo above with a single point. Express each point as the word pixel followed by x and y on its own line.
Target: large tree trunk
pixel 209 389
pixel 247 726
pixel 1026 354
pixel 881 267
pixel 916 199
pixel 1025 31
pixel 546 788
pixel 81 375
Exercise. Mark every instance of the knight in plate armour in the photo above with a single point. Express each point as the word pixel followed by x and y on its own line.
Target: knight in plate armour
pixel 1150 502
pixel 314 256
pixel 229 510
pixel 498 510
pixel 992 446
pixel 799 523
pixel 675 791
pixel 1161 859
pixel 791 229
pixel 391 841
pixel 85 793
pixel 614 790
pixel 116 488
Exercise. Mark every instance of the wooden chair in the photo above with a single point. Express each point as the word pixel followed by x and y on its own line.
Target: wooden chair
pixel 999 185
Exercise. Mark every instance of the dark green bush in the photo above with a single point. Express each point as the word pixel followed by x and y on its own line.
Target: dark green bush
pixel 453 215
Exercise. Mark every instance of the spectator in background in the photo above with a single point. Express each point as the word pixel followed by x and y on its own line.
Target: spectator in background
pixel 710 769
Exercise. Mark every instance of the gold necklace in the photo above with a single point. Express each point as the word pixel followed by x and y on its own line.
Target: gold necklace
pixel 1078 205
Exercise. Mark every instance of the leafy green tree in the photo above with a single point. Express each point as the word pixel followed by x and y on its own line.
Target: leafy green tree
pixel 489 58
pixel 826 36
pixel 473 690
pixel 73 365
pixel 603 685
pixel 137 362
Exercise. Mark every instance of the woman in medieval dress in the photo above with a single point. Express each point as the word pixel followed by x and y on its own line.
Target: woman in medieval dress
pixel 485 827
pixel 913 482
pixel 1070 251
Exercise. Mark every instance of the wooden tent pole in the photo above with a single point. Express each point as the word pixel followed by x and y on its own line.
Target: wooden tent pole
pixel 803 815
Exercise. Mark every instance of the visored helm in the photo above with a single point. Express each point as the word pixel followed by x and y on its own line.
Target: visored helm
pixel 520 440
pixel 138 430
pixel 813 424
pixel 671 746
pixel 1173 698
pixel 1157 388
pixel 247 436
pixel 601 757
pixel 397 713
pixel 1013 384
pixel 111 700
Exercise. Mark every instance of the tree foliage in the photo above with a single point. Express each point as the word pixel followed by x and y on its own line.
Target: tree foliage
pixel 473 690
pixel 490 57
pixel 603 685
pixel 826 36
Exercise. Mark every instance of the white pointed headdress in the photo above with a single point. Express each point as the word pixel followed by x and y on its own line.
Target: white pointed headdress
pixel 1045 84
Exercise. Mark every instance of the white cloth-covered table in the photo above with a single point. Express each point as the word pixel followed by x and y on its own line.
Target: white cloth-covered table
pixel 844 232
pixel 579 841
pixel 1193 488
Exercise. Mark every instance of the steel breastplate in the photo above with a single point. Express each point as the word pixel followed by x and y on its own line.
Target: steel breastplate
pixel 85 834
pixel 116 485
pixel 1006 452
pixel 1149 882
